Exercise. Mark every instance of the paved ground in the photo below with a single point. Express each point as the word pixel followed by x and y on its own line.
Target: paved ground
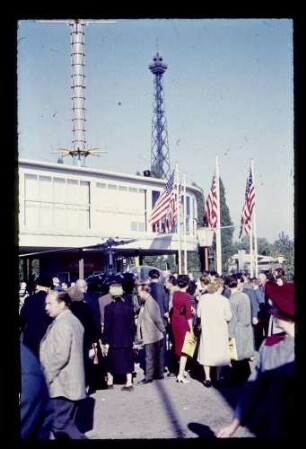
pixel 162 409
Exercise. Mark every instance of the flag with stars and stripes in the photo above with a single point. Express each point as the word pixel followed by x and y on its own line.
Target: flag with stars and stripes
pixel 249 203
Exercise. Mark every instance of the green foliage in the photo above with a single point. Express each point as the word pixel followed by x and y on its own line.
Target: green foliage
pixel 193 263
pixel 161 262
pixel 226 233
pixel 285 247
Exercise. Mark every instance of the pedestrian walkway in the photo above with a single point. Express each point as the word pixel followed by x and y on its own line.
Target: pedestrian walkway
pixel 162 409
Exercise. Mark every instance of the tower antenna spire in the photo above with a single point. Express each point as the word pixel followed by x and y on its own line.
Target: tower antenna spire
pixel 79 150
pixel 160 158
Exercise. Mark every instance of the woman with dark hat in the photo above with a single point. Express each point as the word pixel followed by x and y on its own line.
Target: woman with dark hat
pixel 118 336
pixel 271 383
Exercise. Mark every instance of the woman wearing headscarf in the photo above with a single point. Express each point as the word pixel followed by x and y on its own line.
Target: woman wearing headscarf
pixel 118 336
pixel 271 384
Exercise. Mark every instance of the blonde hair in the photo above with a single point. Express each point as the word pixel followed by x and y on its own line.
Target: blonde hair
pixel 116 290
pixel 214 286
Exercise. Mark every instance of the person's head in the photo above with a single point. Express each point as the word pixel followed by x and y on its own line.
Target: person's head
pixel 279 272
pixel 154 274
pixel 23 285
pixel 170 282
pixel 280 280
pixel 55 281
pixel 57 303
pixel 183 281
pixel 76 293
pixel 283 304
pixel 232 281
pixel 42 283
pixel 215 286
pixel 262 278
pixel 82 284
pixel 143 291
pixel 116 290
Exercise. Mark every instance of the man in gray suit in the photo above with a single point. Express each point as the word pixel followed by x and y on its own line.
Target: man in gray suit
pixel 61 356
pixel 151 330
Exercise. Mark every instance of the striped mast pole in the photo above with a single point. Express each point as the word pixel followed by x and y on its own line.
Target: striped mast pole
pixel 184 224
pixel 178 208
pixel 254 223
pixel 251 239
pixel 218 227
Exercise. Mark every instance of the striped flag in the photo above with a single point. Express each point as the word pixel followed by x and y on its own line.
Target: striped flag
pixel 211 206
pixel 165 209
pixel 249 203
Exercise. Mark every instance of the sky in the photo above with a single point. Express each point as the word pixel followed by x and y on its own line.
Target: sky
pixel 228 91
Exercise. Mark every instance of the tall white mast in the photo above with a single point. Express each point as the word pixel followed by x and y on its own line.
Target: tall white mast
pixel 218 229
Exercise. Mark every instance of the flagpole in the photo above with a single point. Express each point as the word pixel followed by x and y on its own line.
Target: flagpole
pixel 184 224
pixel 178 207
pixel 251 253
pixel 218 229
pixel 254 223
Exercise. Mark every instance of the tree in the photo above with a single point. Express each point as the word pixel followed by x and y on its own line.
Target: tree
pixel 226 233
pixel 285 247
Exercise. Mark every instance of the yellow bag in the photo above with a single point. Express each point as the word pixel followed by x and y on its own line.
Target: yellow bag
pixel 189 345
pixel 233 349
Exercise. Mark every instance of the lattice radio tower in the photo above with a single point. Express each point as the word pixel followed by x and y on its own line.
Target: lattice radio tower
pixel 160 158
pixel 79 150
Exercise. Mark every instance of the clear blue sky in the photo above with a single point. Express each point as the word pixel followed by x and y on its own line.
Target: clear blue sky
pixel 228 92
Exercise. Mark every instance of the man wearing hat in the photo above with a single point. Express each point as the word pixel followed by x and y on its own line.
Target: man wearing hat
pixel 271 383
pixel 33 318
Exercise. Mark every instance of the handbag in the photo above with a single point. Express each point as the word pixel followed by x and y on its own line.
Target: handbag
pixel 190 343
pixel 197 327
pixel 233 348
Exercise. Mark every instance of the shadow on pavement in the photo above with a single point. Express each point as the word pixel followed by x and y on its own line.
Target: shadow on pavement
pixel 201 430
pixel 85 414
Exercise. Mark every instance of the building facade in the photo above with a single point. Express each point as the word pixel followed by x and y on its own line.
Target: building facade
pixel 65 209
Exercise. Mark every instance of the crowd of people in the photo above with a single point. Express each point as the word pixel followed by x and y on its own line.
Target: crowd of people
pixel 77 341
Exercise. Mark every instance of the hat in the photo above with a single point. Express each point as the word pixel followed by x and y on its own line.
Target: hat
pixel 282 297
pixel 43 281
pixel 115 280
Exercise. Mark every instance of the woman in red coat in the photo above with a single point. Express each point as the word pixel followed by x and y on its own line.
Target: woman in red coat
pixel 181 321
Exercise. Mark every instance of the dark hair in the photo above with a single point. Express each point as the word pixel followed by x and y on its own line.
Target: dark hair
pixel 154 274
pixel 171 279
pixel 183 280
pixel 232 281
pixel 144 287
pixel 63 296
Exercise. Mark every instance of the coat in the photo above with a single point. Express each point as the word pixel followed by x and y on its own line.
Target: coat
pixel 215 313
pixel 268 395
pixel 61 356
pixel 240 326
pixel 150 323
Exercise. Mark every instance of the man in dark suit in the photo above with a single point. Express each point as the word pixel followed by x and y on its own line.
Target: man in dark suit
pixel 33 318
pixel 35 406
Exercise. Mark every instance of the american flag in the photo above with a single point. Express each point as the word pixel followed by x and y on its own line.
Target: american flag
pixel 249 203
pixel 211 206
pixel 165 209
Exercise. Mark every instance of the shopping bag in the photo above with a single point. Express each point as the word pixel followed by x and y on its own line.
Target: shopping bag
pixel 190 343
pixel 233 349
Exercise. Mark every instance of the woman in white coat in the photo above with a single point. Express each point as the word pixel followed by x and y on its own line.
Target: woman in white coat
pixel 215 313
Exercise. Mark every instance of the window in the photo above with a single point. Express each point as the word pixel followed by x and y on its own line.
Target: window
pixel 31 184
